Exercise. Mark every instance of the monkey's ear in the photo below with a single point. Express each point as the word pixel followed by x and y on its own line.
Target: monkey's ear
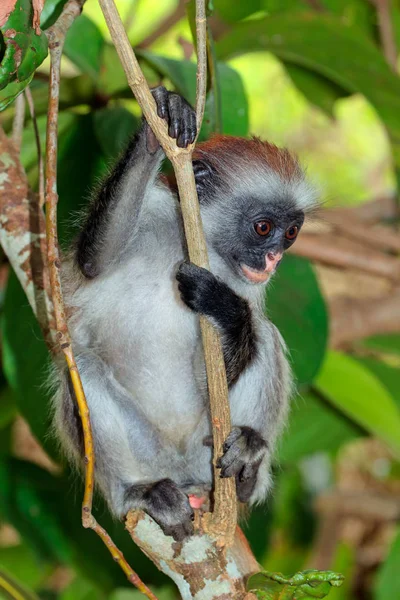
pixel 204 175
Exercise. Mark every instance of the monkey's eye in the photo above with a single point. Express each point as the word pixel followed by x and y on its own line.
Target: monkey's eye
pixel 263 227
pixel 292 232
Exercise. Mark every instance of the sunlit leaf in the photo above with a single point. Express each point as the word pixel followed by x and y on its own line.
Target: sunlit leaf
pixel 317 89
pixel 324 44
pixel 295 305
pixel 356 391
pixel 314 426
pixel 387 586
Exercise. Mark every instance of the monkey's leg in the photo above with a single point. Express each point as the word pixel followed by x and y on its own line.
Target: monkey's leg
pixel 114 216
pixel 133 463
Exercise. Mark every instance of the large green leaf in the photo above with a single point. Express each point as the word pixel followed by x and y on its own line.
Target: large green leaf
pixel 326 45
pixel 389 376
pixel 84 46
pixel 296 306
pixel 24 48
pixel 314 426
pixel 182 74
pixel 360 395
pixel 235 11
pixel 113 128
pixel 387 586
pixel 317 89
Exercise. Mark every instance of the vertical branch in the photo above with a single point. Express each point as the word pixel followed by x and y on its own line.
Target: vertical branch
pixel 56 35
pixel 18 123
pixel 222 522
pixel 201 75
pixel 29 98
pixel 386 32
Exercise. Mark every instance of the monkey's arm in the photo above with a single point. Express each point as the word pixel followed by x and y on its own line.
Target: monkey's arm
pixel 114 214
pixel 207 295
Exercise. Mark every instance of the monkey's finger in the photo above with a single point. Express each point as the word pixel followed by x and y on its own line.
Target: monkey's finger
pixel 232 437
pixel 208 441
pixel 175 112
pixel 160 95
pixel 233 469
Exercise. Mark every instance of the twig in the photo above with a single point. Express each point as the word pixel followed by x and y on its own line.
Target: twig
pixel 165 25
pixel 379 236
pixel 18 123
pixel 386 32
pixel 341 252
pixel 31 105
pixel 56 35
pixel 222 522
pixel 201 75
pixel 353 319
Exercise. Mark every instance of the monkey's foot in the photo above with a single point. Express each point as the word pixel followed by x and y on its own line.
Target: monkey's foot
pixel 244 450
pixel 178 113
pixel 167 505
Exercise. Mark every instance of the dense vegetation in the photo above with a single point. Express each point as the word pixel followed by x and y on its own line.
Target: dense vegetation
pixel 282 69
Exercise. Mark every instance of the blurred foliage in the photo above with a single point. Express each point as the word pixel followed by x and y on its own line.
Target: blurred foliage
pixel 310 75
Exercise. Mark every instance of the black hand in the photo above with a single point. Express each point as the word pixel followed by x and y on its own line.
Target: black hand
pixel 178 113
pixel 244 450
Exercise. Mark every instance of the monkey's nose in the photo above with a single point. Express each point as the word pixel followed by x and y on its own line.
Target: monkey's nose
pixel 272 260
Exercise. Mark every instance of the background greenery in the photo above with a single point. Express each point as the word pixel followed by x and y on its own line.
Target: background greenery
pixel 311 78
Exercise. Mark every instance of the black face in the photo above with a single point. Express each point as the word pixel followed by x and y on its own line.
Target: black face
pixel 258 236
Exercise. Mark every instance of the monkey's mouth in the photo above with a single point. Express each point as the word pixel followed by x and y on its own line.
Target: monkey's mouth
pixel 254 275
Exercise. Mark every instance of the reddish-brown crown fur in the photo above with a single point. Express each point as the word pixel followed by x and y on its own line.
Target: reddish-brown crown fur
pixel 231 151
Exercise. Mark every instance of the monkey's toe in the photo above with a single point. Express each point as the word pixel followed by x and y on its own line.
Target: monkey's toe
pixel 243 452
pixel 170 508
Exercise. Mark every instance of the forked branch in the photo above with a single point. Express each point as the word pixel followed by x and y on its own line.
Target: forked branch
pixel 222 522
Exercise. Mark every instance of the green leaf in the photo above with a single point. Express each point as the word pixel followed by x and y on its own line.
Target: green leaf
pixel 317 89
pixel 81 589
pixel 113 128
pixel 360 395
pixel 314 426
pixel 306 584
pixel 84 46
pixel 11 91
pixel 27 496
pixel 24 49
pixel 8 407
pixel 325 45
pixel 387 585
pixel 385 344
pixel 19 564
pixel 235 11
pixel 389 376
pixel 295 305
pixel 51 11
pixel 235 110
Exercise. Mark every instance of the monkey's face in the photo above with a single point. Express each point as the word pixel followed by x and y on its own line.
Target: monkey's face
pixel 254 235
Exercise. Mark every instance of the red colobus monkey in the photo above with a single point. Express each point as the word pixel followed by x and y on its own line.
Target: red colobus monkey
pixel 134 301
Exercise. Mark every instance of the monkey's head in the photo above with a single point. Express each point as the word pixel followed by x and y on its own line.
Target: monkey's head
pixel 254 198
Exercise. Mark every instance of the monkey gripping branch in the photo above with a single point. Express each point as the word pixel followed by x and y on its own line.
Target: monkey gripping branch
pixel 215 562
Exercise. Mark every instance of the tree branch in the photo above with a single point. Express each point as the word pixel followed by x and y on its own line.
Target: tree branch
pixel 222 522
pixel 56 36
